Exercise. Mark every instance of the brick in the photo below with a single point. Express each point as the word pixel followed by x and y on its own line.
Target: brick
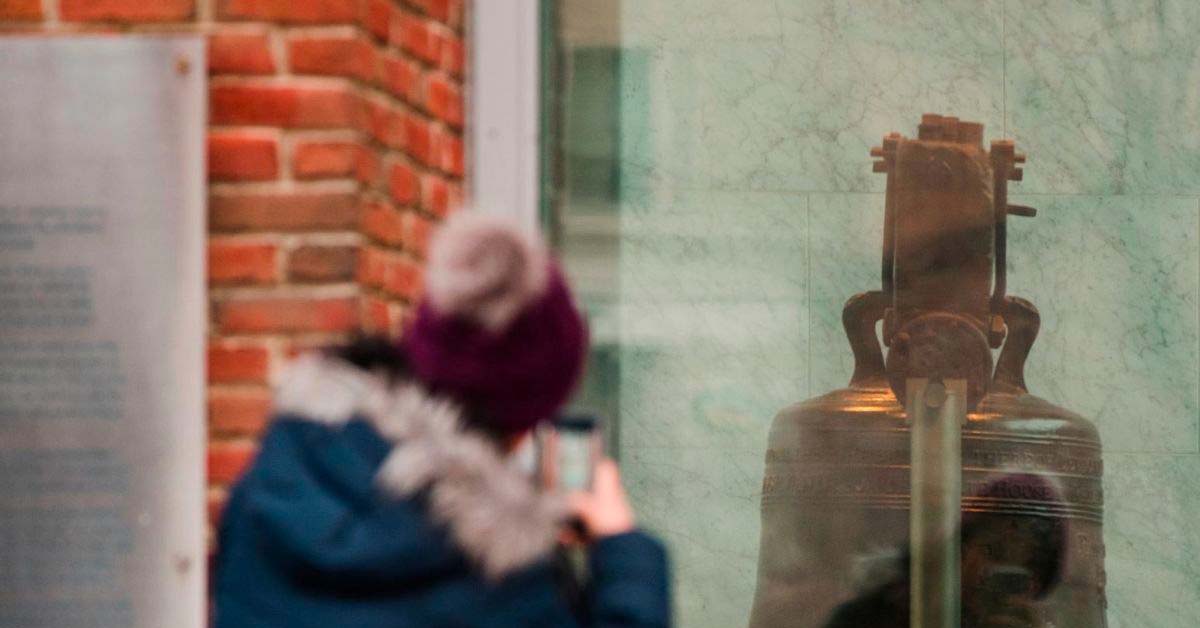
pixel 286 314
pixel 453 56
pixel 242 156
pixel 20 10
pixel 239 53
pixel 284 106
pixel 436 9
pixel 418 4
pixel 402 78
pixel 125 10
pixel 366 166
pixel 418 136
pixel 282 212
pixel 417 230
pixel 296 347
pixel 372 265
pixel 322 263
pixel 448 12
pixel 289 11
pixel 319 160
pixel 451 149
pixel 351 57
pixel 383 223
pixel 241 262
pixel 385 124
pixel 402 278
pixel 375 315
pixel 420 38
pixel 444 100
pixel 400 317
pixel 403 184
pixel 377 18
pixel 239 412
pixel 435 195
pixel 228 460
pixel 237 363
pixel 455 13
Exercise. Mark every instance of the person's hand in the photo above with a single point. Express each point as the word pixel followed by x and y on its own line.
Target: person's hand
pixel 604 511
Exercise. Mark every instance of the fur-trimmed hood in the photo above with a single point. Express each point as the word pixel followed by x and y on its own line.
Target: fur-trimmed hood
pixel 490 509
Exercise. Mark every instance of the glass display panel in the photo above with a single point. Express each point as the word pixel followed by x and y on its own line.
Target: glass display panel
pixel 725 182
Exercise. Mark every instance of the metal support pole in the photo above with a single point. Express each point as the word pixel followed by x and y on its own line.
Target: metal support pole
pixel 937 412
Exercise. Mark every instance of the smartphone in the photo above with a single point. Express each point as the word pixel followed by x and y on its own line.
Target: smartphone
pixel 570 451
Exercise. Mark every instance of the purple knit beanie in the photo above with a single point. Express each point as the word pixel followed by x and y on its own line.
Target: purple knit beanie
pixel 1041 508
pixel 497 329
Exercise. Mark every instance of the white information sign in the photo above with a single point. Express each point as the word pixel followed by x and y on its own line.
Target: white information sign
pixel 102 314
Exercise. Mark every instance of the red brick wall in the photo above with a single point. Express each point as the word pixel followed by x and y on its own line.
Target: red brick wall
pixel 335 141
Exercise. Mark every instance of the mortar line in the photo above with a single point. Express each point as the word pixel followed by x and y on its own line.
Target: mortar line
pixel 809 288
pixel 1004 66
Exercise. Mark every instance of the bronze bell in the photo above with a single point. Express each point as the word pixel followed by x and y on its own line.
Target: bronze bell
pixel 837 547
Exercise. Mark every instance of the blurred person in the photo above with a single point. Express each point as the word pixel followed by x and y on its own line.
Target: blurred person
pixel 387 493
pixel 1009 564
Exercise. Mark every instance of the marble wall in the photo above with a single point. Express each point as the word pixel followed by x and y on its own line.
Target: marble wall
pixel 748 213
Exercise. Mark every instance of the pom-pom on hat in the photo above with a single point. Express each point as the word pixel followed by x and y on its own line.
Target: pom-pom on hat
pixel 498 329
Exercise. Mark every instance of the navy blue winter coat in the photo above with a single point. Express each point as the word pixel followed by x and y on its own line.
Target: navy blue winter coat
pixel 370 507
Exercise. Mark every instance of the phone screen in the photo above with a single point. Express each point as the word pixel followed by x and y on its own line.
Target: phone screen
pixel 576 451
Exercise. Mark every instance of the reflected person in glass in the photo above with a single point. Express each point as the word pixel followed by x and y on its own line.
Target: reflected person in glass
pixel 1009 563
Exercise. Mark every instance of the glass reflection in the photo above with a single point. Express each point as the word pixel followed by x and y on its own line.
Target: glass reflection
pixel 715 202
pixel 1010 563
pixel 856 468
